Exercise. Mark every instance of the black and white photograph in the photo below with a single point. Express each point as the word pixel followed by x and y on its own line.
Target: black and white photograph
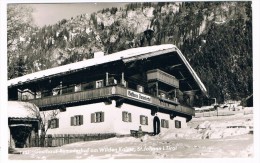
pixel 130 80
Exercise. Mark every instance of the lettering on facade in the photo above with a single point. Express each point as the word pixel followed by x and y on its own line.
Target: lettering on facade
pixel 138 96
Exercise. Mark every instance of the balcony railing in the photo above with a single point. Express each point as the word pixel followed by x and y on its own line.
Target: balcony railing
pixel 73 97
pixel 165 103
pixel 111 91
pixel 163 77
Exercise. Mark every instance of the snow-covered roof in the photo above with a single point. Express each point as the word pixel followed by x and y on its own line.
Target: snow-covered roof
pixel 193 73
pixel 90 62
pixel 124 55
pixel 18 109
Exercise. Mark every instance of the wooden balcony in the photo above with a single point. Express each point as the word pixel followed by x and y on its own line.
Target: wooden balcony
pixel 158 75
pixel 110 92
pixel 73 97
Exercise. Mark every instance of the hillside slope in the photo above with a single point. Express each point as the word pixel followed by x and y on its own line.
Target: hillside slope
pixel 215 37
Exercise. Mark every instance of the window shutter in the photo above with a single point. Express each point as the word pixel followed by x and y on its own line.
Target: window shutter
pixel 180 124
pixel 167 124
pixel 102 116
pixel 93 118
pixel 81 120
pixel 72 121
pixel 49 123
pixel 141 117
pixel 162 123
pixel 76 120
pixel 57 123
pixel 129 117
pixel 146 120
pixel 123 116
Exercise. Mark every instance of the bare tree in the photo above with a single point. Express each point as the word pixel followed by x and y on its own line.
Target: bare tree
pixel 43 117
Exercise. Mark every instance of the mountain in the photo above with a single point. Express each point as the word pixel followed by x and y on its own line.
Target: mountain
pixel 215 37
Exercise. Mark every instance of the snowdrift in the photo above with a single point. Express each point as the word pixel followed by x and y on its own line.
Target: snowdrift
pixel 214 128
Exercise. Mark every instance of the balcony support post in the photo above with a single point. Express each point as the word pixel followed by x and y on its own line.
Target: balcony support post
pixel 123 78
pixel 61 88
pixel 157 91
pixel 106 78
pixel 19 92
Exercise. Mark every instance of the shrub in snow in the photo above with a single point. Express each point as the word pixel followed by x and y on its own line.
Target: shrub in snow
pixel 147 137
pixel 204 125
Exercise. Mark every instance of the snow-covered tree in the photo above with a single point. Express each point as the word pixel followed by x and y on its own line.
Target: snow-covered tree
pixel 19 22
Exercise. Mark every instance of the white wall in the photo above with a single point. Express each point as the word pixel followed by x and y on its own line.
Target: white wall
pixel 87 127
pixel 112 119
pixel 125 127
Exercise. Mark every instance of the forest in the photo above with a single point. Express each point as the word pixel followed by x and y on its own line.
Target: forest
pixel 215 37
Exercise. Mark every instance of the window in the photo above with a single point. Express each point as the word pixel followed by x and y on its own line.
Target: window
pixel 164 123
pixel 76 120
pixel 53 123
pixel 99 84
pixel 126 117
pixel 27 94
pixel 163 95
pixel 55 91
pixel 124 83
pixel 143 120
pixel 38 94
pixel 112 81
pixel 177 124
pixel 140 88
pixel 24 97
pixel 97 117
pixel 77 87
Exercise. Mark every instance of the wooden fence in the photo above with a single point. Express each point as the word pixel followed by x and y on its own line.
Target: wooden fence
pixel 62 139
pixel 222 113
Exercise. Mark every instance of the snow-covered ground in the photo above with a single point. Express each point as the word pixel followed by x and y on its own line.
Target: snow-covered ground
pixel 205 137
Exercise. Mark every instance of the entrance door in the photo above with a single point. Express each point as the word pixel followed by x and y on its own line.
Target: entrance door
pixel 20 133
pixel 156 125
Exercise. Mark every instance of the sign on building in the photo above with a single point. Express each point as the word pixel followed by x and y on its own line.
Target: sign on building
pixel 138 96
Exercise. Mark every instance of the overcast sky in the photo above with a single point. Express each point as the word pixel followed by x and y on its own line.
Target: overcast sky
pixel 48 14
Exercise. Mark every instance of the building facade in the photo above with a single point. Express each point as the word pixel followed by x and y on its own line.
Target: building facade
pixel 153 87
